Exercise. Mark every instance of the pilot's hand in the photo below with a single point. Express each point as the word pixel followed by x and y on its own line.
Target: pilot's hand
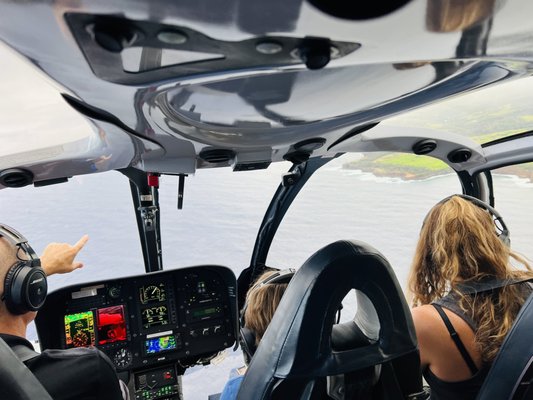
pixel 58 258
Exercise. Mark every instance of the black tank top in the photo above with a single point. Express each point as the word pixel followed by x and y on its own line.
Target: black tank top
pixel 468 388
pixel 461 390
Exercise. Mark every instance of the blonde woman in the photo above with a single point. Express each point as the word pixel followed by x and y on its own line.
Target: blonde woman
pixel 460 331
pixel 261 303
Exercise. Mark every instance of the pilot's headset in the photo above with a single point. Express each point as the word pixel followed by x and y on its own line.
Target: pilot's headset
pixel 25 284
pixel 247 336
pixel 501 229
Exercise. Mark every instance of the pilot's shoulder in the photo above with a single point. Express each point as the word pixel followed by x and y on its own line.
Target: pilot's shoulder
pixel 81 354
pixel 73 352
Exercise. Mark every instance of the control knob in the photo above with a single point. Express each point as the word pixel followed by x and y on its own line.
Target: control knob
pixel 123 358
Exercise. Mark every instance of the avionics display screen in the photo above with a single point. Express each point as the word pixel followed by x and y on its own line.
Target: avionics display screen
pixel 152 293
pixel 111 324
pixel 154 316
pixel 157 345
pixel 204 313
pixel 79 329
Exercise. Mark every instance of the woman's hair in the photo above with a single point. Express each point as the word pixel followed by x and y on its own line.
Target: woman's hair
pixel 457 15
pixel 458 242
pixel 261 303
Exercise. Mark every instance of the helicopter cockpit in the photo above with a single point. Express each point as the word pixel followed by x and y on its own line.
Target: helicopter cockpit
pixel 351 120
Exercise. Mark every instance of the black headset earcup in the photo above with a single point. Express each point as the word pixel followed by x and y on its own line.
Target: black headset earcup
pixel 247 340
pixel 8 280
pixel 25 288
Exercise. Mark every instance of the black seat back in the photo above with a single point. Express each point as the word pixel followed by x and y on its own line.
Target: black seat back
pixel 512 371
pixel 297 350
pixel 16 380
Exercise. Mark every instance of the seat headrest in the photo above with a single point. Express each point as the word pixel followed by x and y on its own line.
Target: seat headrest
pixel 514 359
pixel 298 341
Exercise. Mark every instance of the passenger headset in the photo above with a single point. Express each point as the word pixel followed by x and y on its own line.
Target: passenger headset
pixel 501 228
pixel 247 336
pixel 25 284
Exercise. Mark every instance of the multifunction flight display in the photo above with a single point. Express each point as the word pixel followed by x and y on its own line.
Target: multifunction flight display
pixel 147 320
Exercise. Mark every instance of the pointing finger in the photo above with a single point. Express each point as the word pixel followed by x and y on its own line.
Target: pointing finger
pixel 79 245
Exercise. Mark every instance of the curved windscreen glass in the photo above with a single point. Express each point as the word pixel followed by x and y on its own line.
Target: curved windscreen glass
pixel 493 113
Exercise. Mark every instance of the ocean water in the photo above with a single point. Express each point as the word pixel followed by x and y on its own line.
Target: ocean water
pixel 222 212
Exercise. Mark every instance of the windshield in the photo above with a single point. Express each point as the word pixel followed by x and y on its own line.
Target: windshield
pixel 483 116
pixel 513 188
pixel 380 199
pixel 36 129
pixel 221 214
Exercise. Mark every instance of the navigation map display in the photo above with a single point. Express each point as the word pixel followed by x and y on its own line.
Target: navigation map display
pixel 111 324
pixel 79 329
pixel 163 343
pixel 154 316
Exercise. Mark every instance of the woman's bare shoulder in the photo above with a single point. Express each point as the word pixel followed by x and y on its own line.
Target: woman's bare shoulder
pixel 424 315
pixel 426 319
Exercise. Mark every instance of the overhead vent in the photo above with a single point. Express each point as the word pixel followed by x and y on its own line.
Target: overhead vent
pixel 216 156
pixel 16 177
pixel 460 156
pixel 425 146
pixel 301 151
pixel 310 145
pixel 357 10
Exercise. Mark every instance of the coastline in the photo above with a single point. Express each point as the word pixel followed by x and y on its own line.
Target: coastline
pixel 409 167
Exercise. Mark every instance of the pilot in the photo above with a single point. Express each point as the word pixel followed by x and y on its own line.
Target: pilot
pixel 261 303
pixel 462 281
pixel 66 374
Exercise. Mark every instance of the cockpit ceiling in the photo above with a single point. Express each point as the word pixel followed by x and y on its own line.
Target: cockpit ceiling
pixel 174 86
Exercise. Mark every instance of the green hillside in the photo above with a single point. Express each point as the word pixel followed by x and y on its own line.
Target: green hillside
pixel 410 166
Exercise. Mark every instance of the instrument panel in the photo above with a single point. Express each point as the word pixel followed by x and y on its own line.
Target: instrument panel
pixel 145 321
